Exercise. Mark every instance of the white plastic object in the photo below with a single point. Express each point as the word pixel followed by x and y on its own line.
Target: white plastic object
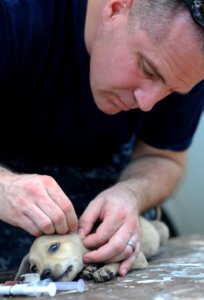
pixel 70 285
pixel 29 290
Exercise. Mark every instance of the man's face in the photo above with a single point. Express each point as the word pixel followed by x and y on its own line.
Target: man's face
pixel 132 70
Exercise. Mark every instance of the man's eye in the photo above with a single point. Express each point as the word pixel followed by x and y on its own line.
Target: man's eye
pixel 148 72
pixel 54 247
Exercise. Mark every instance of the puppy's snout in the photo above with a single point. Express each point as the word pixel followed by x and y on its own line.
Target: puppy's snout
pixel 47 273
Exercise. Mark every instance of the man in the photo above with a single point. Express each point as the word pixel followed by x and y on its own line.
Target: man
pixel 105 151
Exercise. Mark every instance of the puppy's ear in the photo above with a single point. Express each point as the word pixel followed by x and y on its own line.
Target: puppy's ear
pixel 24 268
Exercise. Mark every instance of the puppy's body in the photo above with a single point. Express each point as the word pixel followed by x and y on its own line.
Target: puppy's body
pixel 60 257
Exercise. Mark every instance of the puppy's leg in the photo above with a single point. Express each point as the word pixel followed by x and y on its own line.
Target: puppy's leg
pixel 89 270
pixel 163 231
pixel 140 262
pixel 101 274
pixel 109 271
pixel 106 272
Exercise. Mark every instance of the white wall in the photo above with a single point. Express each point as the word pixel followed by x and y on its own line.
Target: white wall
pixel 186 207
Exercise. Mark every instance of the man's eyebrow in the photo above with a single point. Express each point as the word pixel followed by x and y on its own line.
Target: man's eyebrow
pixel 157 72
pixel 154 69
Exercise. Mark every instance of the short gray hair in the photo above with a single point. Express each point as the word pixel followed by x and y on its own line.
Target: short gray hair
pixel 156 16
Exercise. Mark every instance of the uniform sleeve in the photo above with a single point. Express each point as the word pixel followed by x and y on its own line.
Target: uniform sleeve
pixel 5 50
pixel 173 121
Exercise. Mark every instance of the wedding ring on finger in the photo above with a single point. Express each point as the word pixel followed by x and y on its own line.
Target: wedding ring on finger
pixel 132 245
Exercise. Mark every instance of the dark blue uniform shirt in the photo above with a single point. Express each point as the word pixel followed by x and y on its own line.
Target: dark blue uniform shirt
pixel 47 110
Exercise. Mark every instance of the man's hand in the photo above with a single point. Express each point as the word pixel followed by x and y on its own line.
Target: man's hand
pixel 35 203
pixel 116 209
pixel 147 181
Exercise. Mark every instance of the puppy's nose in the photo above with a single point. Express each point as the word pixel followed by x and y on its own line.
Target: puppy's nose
pixel 47 273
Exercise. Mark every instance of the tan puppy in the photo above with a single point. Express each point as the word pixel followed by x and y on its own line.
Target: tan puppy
pixel 60 257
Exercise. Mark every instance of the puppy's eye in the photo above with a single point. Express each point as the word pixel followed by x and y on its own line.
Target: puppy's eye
pixel 54 247
pixel 33 269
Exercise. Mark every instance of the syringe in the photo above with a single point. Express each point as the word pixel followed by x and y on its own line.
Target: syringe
pixel 33 286
pixel 29 290
pixel 70 285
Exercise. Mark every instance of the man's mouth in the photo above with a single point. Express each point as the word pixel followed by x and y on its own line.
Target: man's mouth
pixel 120 104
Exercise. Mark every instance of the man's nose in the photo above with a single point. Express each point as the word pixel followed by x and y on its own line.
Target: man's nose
pixel 148 96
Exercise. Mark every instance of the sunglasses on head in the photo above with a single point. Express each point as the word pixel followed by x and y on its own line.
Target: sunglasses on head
pixel 196 8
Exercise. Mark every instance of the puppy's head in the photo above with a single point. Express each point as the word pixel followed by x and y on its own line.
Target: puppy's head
pixel 59 257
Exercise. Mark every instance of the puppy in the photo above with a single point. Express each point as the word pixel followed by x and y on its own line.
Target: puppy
pixel 60 257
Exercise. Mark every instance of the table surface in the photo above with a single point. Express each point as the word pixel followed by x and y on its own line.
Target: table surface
pixel 176 273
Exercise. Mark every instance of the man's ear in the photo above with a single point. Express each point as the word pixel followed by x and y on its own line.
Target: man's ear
pixel 115 7
pixel 24 268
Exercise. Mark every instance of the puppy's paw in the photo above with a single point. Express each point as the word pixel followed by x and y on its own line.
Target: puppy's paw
pixel 105 273
pixel 88 271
